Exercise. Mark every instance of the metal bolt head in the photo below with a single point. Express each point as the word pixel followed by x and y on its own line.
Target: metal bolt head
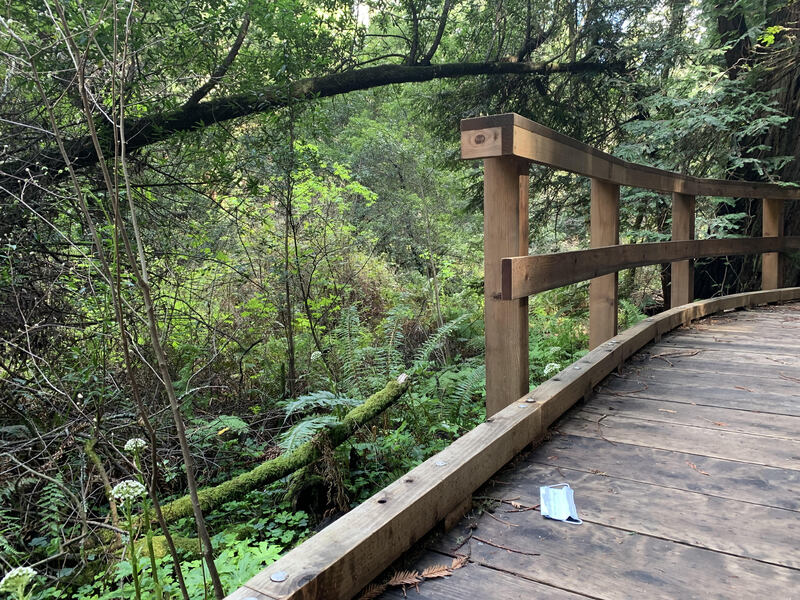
pixel 279 576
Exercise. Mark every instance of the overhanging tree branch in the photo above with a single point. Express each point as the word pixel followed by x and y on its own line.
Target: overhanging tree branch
pixel 222 68
pixel 49 165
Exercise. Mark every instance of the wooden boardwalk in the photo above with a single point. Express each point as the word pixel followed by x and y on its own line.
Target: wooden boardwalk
pixel 686 472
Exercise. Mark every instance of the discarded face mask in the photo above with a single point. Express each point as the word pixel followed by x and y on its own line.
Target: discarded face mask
pixel 557 503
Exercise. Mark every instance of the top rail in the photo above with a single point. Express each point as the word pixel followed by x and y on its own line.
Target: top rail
pixel 513 135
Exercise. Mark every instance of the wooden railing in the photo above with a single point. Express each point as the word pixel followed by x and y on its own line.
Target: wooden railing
pixel 344 557
pixel 509 144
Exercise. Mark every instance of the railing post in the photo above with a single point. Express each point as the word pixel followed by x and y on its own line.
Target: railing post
pixel 604 215
pixel 682 272
pixel 505 234
pixel 772 226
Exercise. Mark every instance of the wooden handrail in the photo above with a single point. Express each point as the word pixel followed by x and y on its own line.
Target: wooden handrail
pixel 527 275
pixel 508 144
pixel 513 135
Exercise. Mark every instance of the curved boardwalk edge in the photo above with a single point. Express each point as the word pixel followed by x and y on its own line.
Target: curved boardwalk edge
pixel 344 557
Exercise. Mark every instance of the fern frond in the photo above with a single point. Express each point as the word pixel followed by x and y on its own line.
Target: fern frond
pixel 432 343
pixel 321 400
pixel 459 561
pixel 349 352
pixel 465 387
pixel 303 431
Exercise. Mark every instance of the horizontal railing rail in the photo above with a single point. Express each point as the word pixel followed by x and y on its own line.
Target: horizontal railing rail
pixel 527 275
pixel 513 135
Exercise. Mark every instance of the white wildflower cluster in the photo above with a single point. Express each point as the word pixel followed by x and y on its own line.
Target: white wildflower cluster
pixel 551 368
pixel 128 490
pixel 134 445
pixel 16 579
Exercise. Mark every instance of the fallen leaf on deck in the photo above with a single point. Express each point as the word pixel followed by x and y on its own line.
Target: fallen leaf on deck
pixel 405 578
pixel 436 571
pixel 694 466
pixel 372 591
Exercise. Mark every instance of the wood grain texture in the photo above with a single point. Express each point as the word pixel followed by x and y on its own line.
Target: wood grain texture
pixel 709 522
pixel 767 486
pixel 527 275
pixel 531 141
pixel 603 291
pixel 695 388
pixel 618 564
pixel 505 231
pixel 755 449
pixel 772 226
pixel 682 272
pixel 708 417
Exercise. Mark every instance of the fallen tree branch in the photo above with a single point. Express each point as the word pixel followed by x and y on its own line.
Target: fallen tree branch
pixel 277 468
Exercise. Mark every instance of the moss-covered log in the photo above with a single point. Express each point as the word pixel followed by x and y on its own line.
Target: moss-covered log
pixel 276 468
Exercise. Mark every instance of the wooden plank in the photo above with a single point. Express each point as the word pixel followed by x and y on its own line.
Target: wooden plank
pixel 505 231
pixel 693 388
pixel 772 339
pixel 603 291
pixel 754 449
pixel 708 522
pixel 527 275
pixel 737 349
pixel 716 418
pixel 614 564
pixel 761 376
pixel 682 272
pixel 341 559
pixel 768 486
pixel 476 581
pixel 772 226
pixel 531 141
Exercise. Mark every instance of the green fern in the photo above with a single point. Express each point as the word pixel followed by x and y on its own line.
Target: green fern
pixel 304 431
pixel 351 355
pixel 423 355
pixel 390 353
pixel 316 401
pixel 10 527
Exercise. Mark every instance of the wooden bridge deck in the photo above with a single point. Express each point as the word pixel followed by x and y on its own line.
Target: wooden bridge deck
pixel 686 472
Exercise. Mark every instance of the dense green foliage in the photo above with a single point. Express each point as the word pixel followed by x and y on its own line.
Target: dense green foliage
pixel 201 230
